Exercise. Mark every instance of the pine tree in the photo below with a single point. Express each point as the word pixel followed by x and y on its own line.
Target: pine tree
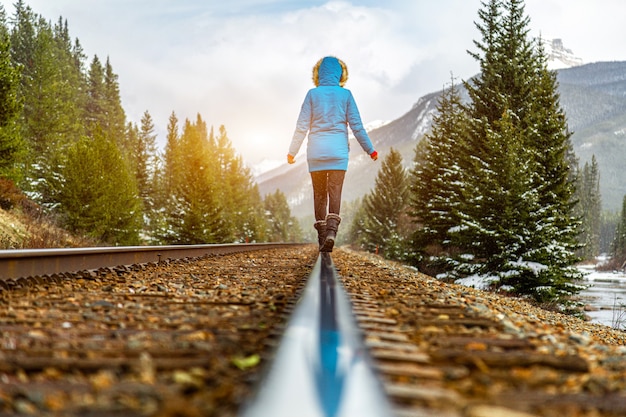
pixel 385 209
pixel 435 180
pixel 11 143
pixel 51 89
pixel 589 209
pixel 357 225
pixel 95 106
pixel 97 193
pixel 113 119
pixel 160 228
pixel 171 148
pixel 195 211
pixel 235 183
pixel 618 247
pixel 608 227
pixel 510 216
pixel 255 225
pixel 145 159
pixel 282 226
pixel 240 195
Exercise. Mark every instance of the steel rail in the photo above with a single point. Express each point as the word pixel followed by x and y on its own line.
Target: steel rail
pixel 321 368
pixel 40 262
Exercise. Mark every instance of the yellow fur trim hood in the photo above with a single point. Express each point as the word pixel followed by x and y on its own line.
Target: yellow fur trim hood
pixel 316 71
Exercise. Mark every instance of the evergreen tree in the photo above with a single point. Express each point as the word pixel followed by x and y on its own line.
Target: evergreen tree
pixel 97 193
pixel 608 226
pixel 435 183
pixel 71 94
pixel 255 223
pixel 589 209
pixel 51 90
pixel 196 213
pixel 164 189
pixel 240 194
pixel 355 233
pixel 385 209
pixel 350 233
pixel 171 148
pixel 145 159
pixel 113 119
pixel 508 218
pixel 95 106
pixel 11 143
pixel 618 247
pixel 282 226
pixel 103 110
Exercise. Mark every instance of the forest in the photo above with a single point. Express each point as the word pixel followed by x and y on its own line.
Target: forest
pixel 65 142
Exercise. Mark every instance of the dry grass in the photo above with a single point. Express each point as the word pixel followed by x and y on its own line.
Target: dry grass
pixel 23 225
pixel 21 231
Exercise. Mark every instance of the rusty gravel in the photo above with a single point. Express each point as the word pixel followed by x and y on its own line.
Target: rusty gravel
pixel 191 338
pixel 181 338
pixel 449 350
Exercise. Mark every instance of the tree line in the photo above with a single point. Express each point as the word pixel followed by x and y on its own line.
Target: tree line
pixel 66 142
pixel 495 193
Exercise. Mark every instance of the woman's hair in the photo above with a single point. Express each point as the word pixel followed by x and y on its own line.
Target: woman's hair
pixel 344 72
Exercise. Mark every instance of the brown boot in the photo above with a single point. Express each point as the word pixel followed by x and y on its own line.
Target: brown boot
pixel 320 226
pixel 332 224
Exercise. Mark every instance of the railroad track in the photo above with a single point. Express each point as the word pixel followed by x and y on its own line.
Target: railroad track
pixel 322 368
pixel 166 337
pixel 37 263
pixel 198 335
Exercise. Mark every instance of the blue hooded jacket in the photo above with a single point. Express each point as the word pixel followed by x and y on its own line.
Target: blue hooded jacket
pixel 326 113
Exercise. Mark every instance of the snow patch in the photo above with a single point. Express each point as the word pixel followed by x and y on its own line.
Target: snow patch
pixel 559 56
pixel 480 282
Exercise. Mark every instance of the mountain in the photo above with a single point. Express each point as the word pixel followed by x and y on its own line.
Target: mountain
pixel 559 56
pixel 593 97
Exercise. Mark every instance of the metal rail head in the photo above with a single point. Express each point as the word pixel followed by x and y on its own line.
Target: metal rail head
pixel 32 262
pixel 321 368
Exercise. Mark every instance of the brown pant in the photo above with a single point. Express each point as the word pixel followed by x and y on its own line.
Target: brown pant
pixel 327 186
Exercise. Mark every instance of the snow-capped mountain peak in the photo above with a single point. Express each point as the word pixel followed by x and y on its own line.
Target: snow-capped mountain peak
pixel 559 56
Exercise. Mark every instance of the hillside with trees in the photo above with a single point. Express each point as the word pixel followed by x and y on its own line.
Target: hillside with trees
pixel 66 144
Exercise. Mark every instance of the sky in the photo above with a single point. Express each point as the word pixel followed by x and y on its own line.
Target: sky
pixel 246 64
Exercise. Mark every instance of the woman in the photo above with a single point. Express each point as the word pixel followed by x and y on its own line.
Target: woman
pixel 327 111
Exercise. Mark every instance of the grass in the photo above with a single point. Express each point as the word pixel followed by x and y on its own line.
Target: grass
pixel 24 225
pixel 19 230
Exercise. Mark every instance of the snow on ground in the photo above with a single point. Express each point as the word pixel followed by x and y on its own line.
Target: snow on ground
pixel 607 294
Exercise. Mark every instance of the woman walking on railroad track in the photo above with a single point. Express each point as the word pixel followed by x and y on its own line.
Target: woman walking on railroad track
pixel 325 114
